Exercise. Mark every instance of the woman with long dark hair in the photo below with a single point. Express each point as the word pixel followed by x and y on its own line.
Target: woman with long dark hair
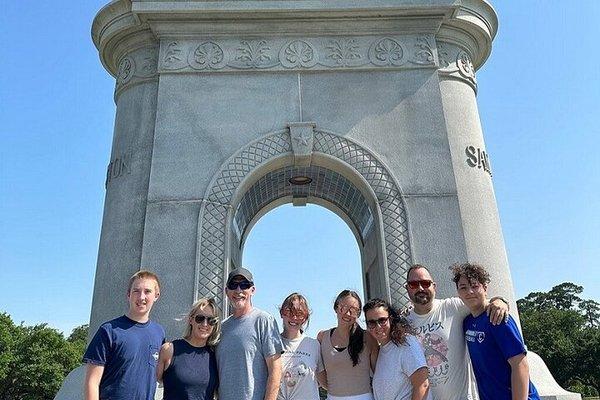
pixel 349 354
pixel 401 372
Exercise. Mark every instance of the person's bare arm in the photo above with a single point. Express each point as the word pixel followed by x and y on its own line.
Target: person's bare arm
pixel 322 376
pixel 519 376
pixel 322 379
pixel 91 384
pixel 374 346
pixel 164 360
pixel 420 383
pixel 497 309
pixel 273 382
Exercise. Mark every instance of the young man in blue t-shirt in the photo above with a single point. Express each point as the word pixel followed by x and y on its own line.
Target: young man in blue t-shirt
pixel 497 352
pixel 122 356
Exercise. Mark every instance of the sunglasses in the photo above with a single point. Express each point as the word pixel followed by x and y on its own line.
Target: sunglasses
pixel 200 319
pixel 354 312
pixel 372 323
pixel 425 284
pixel 243 285
pixel 289 312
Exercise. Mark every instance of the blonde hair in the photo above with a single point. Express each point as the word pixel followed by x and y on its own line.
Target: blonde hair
pixel 201 304
pixel 143 274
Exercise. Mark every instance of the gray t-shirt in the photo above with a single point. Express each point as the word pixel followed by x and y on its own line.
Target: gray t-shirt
pixel 395 365
pixel 245 343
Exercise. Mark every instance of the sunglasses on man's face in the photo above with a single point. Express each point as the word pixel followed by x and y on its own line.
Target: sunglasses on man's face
pixel 425 284
pixel 243 285
pixel 372 323
pixel 200 319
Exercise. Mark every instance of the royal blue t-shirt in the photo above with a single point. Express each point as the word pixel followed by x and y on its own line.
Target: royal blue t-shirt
pixel 128 350
pixel 192 374
pixel 490 347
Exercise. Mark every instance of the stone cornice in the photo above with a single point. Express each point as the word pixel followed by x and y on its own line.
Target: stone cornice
pixel 125 25
pixel 473 28
pixel 117 31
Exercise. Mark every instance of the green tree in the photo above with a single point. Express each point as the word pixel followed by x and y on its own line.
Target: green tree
pixel 34 360
pixel 79 334
pixel 563 329
pixel 591 311
pixel 78 339
pixel 8 340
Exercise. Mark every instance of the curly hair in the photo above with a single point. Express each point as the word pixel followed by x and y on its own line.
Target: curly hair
pixel 473 272
pixel 399 326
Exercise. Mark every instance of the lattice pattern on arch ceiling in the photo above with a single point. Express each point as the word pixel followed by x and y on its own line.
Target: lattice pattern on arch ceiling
pixel 214 213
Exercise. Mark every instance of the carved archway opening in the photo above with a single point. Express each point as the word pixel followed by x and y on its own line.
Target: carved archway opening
pixel 345 178
pixel 324 187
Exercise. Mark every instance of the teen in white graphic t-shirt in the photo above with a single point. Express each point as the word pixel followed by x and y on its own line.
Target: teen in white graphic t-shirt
pixel 301 358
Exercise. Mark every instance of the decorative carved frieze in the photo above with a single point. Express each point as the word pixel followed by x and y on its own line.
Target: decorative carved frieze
pixel 138 66
pixel 456 62
pixel 315 53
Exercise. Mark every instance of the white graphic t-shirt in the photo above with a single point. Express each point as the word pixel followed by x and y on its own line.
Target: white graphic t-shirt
pixel 300 362
pixel 440 333
pixel 395 365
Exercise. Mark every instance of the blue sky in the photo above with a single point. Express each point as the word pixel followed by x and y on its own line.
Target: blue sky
pixel 538 96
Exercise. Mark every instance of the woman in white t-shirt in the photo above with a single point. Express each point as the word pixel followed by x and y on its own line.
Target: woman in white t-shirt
pixel 401 371
pixel 301 358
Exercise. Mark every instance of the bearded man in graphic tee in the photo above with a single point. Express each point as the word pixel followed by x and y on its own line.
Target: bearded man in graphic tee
pixel 438 325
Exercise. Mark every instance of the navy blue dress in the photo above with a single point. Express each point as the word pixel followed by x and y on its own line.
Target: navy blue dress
pixel 192 374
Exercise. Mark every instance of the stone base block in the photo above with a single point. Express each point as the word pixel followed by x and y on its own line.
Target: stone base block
pixel 72 387
pixel 544 382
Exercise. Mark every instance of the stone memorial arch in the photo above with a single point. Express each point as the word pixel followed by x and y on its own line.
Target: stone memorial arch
pixel 226 109
pixel 300 165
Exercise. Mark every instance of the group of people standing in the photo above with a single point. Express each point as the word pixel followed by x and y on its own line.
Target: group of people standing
pixel 418 354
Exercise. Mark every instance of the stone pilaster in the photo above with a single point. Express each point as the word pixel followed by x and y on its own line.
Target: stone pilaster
pixel 129 53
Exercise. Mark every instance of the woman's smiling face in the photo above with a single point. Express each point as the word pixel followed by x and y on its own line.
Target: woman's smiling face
pixel 201 327
pixel 378 324
pixel 347 310
pixel 294 316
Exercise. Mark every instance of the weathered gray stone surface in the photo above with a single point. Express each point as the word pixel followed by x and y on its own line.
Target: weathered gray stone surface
pixel 210 95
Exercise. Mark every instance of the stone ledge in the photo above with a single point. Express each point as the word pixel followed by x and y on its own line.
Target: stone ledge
pixel 124 25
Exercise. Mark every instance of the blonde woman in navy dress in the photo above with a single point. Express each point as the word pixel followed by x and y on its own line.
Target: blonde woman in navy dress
pixel 187 367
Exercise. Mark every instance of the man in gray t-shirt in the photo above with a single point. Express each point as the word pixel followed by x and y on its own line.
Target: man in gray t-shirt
pixel 248 355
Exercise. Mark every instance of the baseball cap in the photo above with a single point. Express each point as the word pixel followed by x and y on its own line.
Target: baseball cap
pixel 240 272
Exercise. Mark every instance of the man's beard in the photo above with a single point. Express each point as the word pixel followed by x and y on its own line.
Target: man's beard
pixel 421 298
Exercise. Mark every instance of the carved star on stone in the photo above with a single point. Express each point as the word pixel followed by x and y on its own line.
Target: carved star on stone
pixel 302 139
